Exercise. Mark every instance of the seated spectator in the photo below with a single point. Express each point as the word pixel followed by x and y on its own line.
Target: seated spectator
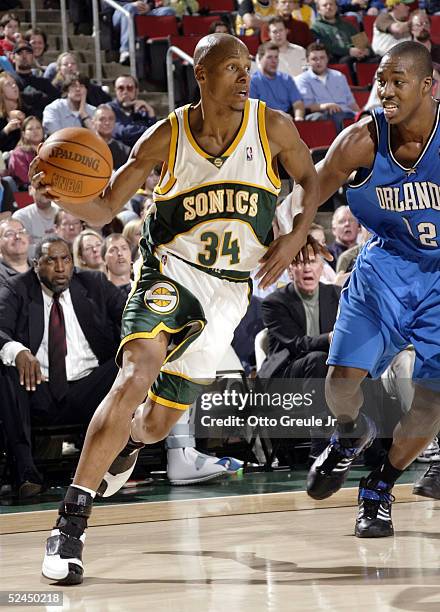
pixel 278 90
pixel 121 22
pixel 67 226
pixel 220 27
pixel 70 111
pixel 133 116
pixel 36 91
pixel 335 34
pixel 391 27
pixel 104 121
pixel 87 251
pixel 328 275
pixel 132 233
pixel 291 58
pixel 38 40
pixel 252 15
pixel 14 248
pixel 298 32
pixel 300 319
pixel 66 66
pixel 325 92
pixel 12 112
pixel 38 218
pixel 345 229
pixel 420 30
pixel 116 254
pixel 184 7
pixel 25 151
pixel 64 358
pixel 10 29
pixel 303 12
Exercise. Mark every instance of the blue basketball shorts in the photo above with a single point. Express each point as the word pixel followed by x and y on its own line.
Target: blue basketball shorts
pixel 388 303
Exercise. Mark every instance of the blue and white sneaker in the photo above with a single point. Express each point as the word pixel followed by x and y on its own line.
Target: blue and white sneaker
pixel 330 470
pixel 374 518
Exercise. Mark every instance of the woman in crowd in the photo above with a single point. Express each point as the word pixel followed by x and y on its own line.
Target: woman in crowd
pixel 132 234
pixel 66 65
pixel 38 40
pixel 87 251
pixel 12 113
pixel 20 158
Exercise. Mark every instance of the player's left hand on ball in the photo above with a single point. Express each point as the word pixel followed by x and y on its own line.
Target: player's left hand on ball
pixel 36 178
pixel 278 257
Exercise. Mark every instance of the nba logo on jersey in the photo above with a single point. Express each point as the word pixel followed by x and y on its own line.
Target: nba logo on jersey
pixel 249 154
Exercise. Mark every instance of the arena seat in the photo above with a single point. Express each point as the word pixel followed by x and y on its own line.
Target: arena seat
pixel 217 6
pixel 148 26
pixel 194 25
pixel 368 22
pixel 435 28
pixel 316 133
pixel 351 19
pixel 261 347
pixel 345 71
pixel 361 96
pixel 186 43
pixel 365 73
pixel 252 43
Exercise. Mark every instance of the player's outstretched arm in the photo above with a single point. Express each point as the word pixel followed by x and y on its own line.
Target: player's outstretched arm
pixel 152 148
pixel 354 148
pixel 286 145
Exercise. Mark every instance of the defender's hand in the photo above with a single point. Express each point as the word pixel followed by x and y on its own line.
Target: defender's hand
pixel 278 256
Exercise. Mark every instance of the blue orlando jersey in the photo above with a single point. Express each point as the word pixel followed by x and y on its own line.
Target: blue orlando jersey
pixel 401 205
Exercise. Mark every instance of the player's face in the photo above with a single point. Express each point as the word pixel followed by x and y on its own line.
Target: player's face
pixel 118 256
pixel 55 266
pixel 227 81
pixel 91 251
pixel 399 89
pixel 306 276
pixel 14 239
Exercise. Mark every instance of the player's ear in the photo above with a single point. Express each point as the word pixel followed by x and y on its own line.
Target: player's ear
pixel 427 84
pixel 200 73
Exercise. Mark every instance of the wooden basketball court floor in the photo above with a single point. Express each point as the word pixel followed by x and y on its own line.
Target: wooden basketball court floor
pixel 273 552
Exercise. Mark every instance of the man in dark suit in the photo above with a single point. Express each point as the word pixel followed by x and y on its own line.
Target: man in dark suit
pixel 59 331
pixel 300 318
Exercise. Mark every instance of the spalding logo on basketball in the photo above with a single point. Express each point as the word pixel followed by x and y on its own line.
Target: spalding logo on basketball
pixel 77 164
pixel 162 298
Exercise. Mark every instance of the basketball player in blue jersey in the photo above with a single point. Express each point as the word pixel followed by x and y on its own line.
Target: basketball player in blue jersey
pixel 393 296
pixel 209 227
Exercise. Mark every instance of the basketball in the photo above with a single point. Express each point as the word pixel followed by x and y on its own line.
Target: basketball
pixel 78 164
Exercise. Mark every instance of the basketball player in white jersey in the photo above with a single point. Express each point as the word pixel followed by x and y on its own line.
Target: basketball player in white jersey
pixel 210 226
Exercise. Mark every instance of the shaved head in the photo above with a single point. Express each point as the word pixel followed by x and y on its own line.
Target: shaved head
pixel 215 47
pixel 416 54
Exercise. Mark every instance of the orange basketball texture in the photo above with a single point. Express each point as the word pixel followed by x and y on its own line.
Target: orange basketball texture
pixel 77 163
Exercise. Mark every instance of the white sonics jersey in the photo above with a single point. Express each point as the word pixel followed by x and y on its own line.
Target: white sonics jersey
pixel 216 212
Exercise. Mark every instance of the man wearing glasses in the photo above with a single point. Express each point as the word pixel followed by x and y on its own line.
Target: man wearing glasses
pixel 14 247
pixel 133 116
pixel 67 226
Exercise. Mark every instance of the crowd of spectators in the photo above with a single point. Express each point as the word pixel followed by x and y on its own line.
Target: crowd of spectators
pixel 293 72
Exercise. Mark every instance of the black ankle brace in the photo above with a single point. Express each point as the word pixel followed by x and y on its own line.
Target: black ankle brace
pixel 76 503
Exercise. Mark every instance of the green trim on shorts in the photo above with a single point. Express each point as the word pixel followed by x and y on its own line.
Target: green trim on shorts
pixel 174 390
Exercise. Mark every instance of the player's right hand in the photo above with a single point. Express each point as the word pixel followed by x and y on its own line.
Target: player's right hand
pixel 29 370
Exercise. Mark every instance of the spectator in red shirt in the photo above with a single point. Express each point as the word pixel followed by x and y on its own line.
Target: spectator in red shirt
pixel 10 28
pixel 25 151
